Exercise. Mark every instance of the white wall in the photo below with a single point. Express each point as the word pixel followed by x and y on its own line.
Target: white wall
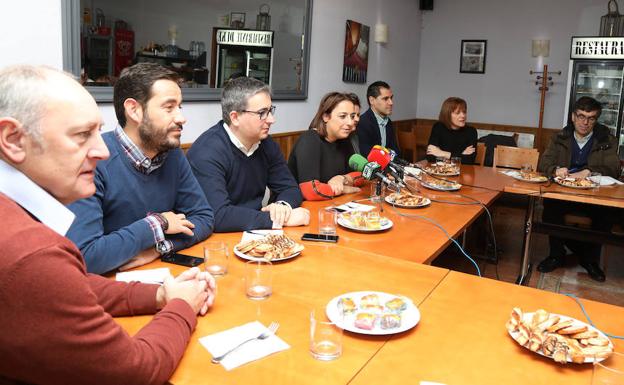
pixel 506 93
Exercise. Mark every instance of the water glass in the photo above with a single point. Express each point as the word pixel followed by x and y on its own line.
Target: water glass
pixel 325 337
pixel 609 371
pixel 258 279
pixel 216 258
pixel 376 192
pixel 456 162
pixel 327 218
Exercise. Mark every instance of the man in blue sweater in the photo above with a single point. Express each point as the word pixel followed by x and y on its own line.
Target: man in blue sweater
pixel 236 160
pixel 147 201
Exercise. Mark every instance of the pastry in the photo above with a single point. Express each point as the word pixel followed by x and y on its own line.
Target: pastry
pixel 396 305
pixel 346 305
pixel 390 321
pixel 365 321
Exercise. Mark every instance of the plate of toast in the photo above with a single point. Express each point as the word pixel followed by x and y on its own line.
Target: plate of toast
pixel 272 247
pixel 364 221
pixel 530 176
pixel 440 185
pixel 579 183
pixel 407 200
pixel 442 169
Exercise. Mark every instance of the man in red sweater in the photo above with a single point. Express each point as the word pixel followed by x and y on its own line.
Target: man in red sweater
pixel 56 324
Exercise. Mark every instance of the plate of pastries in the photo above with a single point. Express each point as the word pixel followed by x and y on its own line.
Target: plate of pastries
pixel 364 221
pixel 272 247
pixel 373 312
pixel 442 169
pixel 530 176
pixel 440 185
pixel 580 183
pixel 562 338
pixel 406 199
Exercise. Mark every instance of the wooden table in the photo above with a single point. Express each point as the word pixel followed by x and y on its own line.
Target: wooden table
pixel 461 338
pixel 300 285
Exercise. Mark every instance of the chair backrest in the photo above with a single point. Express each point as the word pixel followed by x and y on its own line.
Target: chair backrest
pixel 407 141
pixel 480 157
pixel 515 157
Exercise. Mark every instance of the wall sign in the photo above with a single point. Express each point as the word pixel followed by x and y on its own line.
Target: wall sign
pixel 597 48
pixel 245 37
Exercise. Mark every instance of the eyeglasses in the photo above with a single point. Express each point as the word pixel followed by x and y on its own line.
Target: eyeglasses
pixel 585 118
pixel 263 113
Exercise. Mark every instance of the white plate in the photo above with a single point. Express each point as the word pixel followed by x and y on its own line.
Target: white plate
pixel 558 181
pixel 540 179
pixel 455 187
pixel 528 317
pixel 430 171
pixel 385 225
pixel 409 317
pixel 389 200
pixel 251 258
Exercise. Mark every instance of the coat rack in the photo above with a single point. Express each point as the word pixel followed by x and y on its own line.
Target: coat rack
pixel 544 81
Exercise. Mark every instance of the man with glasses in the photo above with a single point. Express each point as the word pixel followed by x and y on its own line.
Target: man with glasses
pixel 235 161
pixel 580 149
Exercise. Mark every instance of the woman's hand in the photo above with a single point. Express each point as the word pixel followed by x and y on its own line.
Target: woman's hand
pixel 437 152
pixel 337 184
pixel 468 150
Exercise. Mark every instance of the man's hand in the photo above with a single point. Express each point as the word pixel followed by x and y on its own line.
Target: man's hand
pixel 178 224
pixel 437 152
pixel 190 286
pixel 350 189
pixel 581 174
pixel 299 217
pixel 337 184
pixel 561 172
pixel 190 275
pixel 144 257
pixel 468 150
pixel 279 213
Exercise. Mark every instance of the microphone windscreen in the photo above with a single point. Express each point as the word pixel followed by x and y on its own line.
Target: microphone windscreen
pixel 357 162
pixel 379 156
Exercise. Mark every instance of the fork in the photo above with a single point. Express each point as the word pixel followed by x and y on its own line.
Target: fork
pixel 263 336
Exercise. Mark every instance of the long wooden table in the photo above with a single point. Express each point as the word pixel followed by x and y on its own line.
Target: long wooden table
pixel 461 338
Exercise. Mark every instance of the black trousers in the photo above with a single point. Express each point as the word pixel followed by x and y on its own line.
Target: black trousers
pixel 602 218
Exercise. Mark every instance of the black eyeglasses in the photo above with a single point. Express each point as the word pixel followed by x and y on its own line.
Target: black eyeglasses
pixel 585 118
pixel 263 113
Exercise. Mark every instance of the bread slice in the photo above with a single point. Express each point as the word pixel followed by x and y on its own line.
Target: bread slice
pixel 574 329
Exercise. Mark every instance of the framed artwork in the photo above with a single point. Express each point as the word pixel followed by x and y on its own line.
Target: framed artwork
pixel 355 65
pixel 472 58
pixel 237 20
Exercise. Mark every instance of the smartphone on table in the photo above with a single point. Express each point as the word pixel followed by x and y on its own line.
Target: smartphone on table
pixel 319 237
pixel 182 259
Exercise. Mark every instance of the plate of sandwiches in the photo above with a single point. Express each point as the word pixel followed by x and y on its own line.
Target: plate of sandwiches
pixel 406 199
pixel 373 312
pixel 442 169
pixel 556 336
pixel 440 185
pixel 364 221
pixel 273 247
pixel 580 183
pixel 530 176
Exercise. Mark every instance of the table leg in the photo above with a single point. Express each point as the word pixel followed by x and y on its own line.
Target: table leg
pixel 525 265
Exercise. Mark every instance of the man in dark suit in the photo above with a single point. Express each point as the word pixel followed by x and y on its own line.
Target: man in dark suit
pixel 375 126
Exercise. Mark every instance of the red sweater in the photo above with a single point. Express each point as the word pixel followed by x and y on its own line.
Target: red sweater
pixel 56 324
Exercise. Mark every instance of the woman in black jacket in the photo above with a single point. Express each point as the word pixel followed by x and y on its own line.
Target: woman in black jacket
pixel 450 136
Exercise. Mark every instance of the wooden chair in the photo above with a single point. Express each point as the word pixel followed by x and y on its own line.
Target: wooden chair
pixel 480 157
pixel 185 147
pixel 515 157
pixel 407 143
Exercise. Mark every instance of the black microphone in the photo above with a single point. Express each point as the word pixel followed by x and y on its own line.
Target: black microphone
pixel 372 170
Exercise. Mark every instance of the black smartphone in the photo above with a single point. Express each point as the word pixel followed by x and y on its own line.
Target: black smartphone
pixel 182 259
pixel 319 237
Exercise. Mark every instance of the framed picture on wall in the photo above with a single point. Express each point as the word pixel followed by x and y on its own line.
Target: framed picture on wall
pixel 355 64
pixel 472 58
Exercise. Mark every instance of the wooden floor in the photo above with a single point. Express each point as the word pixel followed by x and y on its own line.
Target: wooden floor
pixel 573 279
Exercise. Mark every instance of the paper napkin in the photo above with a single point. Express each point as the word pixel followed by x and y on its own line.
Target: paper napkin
pixel 145 276
pixel 221 342
pixel 353 206
pixel 259 234
pixel 604 180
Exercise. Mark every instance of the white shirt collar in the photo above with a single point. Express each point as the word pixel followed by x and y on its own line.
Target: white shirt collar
pixel 37 201
pixel 239 144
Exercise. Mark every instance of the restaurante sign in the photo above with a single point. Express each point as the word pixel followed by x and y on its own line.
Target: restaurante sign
pixel 597 48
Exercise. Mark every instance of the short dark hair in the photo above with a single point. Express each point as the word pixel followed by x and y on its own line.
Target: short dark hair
pixel 326 106
pixel 587 104
pixel 448 107
pixel 374 89
pixel 354 98
pixel 136 82
pixel 237 91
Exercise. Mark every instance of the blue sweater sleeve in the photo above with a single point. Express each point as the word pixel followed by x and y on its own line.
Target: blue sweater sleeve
pixel 281 182
pixel 191 201
pixel 101 252
pixel 210 167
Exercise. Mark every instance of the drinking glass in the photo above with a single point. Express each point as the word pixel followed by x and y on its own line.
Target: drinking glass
pixel 327 218
pixel 609 371
pixel 325 337
pixel 375 195
pixel 456 162
pixel 258 279
pixel 216 258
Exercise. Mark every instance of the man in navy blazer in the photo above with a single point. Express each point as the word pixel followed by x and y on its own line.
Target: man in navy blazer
pixel 375 126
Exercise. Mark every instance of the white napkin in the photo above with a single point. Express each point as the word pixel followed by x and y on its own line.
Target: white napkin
pixel 604 180
pixel 145 276
pixel 511 173
pixel 221 342
pixel 353 206
pixel 412 170
pixel 258 234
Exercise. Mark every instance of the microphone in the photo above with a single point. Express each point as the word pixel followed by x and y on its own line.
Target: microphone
pixel 369 170
pixel 393 155
pixel 383 159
